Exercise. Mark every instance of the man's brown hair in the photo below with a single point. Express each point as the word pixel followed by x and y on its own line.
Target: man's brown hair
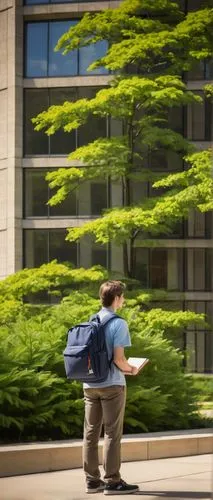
pixel 109 290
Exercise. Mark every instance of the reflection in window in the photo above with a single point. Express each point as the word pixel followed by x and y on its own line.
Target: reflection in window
pixel 59 65
pixel 37 194
pixel 61 143
pixel 198 266
pixel 35 143
pixel 36 49
pixel 201 70
pixel 199 342
pixel 89 54
pixel 175 119
pixel 165 160
pixel 43 245
pixel 200 120
pixel 99 255
pixel 158 268
pixel 98 191
pixel 200 225
pixel 34 2
pixel 42 61
pixel 196 4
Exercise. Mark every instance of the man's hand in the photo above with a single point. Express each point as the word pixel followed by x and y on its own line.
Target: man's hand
pixel 133 372
pixel 122 363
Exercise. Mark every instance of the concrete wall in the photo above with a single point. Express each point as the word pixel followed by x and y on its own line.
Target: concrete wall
pixel 10 136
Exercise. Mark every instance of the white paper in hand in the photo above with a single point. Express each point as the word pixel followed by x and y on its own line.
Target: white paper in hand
pixel 138 362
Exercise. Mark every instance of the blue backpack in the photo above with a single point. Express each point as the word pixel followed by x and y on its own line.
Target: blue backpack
pixel 86 356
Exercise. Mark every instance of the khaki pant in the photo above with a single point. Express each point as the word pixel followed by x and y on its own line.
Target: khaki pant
pixel 103 406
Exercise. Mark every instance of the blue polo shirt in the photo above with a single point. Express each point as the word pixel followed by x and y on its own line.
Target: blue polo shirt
pixel 117 335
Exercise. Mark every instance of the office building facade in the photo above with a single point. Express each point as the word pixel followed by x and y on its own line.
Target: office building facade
pixel 32 77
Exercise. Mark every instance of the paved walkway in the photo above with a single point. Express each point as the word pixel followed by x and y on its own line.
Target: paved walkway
pixel 186 478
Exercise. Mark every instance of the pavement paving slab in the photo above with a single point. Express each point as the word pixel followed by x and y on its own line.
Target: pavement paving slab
pixel 182 478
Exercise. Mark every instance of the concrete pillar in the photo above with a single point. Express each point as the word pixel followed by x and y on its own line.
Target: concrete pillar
pixel 11 135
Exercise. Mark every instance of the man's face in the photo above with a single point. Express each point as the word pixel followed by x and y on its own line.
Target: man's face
pixel 120 301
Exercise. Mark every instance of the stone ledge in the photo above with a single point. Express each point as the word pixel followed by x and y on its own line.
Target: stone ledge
pixel 60 455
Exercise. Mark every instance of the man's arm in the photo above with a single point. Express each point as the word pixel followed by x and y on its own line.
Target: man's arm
pixel 122 363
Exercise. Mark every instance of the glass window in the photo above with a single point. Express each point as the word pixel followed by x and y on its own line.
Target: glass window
pixel 60 65
pixel 35 101
pixel 43 245
pixel 98 193
pixel 199 266
pixel 209 70
pixel 209 225
pixel 201 70
pixel 209 268
pixel 61 143
pixel 197 71
pixel 37 194
pixel 165 160
pixel 34 2
pixel 196 225
pixel 99 255
pixel 89 54
pixel 96 126
pixel 138 191
pixel 158 160
pixel 199 341
pixel 196 4
pixel 141 266
pixel 158 268
pixel 150 267
pixel 200 120
pixel 41 60
pixel 175 119
pixel 36 48
pixel 35 247
pixel 61 249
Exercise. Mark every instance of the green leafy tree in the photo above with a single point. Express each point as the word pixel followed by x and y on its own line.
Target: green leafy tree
pixel 159 41
pixel 17 290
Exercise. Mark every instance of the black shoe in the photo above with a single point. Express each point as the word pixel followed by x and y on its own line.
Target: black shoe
pixel 95 486
pixel 120 488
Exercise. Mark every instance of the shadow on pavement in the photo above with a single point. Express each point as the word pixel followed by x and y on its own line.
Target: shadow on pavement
pixel 176 494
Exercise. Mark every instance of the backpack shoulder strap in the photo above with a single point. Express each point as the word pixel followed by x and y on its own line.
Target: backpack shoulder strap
pixel 108 318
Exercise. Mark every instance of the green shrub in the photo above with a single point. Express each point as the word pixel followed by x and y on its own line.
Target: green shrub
pixel 203 384
pixel 37 402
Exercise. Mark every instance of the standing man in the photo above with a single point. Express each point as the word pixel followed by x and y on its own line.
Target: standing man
pixel 105 402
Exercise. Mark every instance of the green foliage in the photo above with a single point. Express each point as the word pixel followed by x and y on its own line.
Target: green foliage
pixel 191 189
pixel 203 384
pixel 120 100
pixel 37 402
pixel 163 38
pixel 48 276
pixel 159 41
pixel 147 38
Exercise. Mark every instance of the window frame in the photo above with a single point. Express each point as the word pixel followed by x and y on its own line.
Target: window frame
pixel 48 22
pixel 47 231
pixel 76 132
pixel 48 215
